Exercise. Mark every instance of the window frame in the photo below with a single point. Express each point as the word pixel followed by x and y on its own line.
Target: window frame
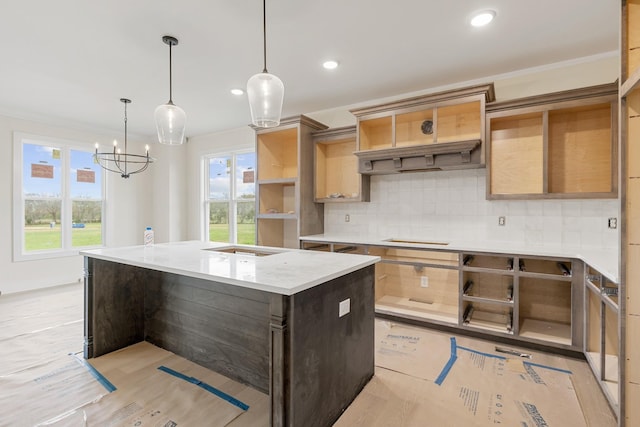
pixel 66 215
pixel 232 201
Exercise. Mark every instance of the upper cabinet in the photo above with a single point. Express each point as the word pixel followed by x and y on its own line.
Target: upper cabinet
pixel 285 208
pixel 336 167
pixel 560 145
pixel 438 131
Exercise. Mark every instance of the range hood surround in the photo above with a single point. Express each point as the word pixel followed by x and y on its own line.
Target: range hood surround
pixel 438 156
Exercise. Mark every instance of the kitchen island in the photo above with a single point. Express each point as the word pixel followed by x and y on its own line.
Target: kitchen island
pixel 298 325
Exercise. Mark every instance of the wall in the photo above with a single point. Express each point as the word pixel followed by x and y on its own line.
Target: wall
pixel 451 206
pixel 126 210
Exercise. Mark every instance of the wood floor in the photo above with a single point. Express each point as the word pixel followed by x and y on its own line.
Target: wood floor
pixel 45 381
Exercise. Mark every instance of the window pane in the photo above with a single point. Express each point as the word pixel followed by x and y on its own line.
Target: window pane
pixel 42 225
pixel 246 223
pixel 41 175
pixel 245 176
pixel 86 228
pixel 219 178
pixel 219 222
pixel 86 176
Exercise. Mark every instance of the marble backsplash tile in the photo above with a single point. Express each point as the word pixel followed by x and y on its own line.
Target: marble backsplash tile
pixel 451 205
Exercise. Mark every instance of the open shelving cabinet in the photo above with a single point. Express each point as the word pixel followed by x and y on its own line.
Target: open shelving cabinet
pixel 540 147
pixel 285 207
pixel 336 177
pixel 443 130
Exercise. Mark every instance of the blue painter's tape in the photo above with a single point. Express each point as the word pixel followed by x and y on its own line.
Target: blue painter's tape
pixel 452 359
pixel 97 375
pixel 210 389
pixel 564 371
pixel 495 356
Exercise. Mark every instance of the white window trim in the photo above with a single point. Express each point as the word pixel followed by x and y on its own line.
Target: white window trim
pixel 232 201
pixel 65 211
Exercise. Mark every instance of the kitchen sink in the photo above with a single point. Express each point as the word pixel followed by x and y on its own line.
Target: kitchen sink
pixel 242 250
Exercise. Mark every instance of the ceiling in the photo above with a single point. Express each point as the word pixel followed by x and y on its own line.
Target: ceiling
pixel 70 61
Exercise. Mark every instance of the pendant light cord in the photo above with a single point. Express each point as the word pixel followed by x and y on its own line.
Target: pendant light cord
pixel 170 77
pixel 264 33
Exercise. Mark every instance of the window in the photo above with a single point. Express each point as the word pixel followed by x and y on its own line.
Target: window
pixel 58 198
pixel 230 210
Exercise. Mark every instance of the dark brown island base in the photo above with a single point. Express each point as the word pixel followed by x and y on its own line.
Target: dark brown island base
pixel 261 316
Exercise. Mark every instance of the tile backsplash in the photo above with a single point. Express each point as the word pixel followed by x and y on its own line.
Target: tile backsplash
pixel 452 206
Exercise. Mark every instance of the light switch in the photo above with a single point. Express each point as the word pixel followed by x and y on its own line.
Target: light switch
pixel 344 307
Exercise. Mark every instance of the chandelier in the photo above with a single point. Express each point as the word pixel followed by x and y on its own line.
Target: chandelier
pixel 120 161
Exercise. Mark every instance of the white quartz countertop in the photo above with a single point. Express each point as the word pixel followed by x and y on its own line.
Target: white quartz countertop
pixel 602 260
pixel 284 271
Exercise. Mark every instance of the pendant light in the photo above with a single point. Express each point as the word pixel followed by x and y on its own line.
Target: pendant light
pixel 265 91
pixel 123 162
pixel 170 119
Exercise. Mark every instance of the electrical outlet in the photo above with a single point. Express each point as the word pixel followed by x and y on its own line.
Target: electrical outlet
pixel 613 223
pixel 347 218
pixel 502 220
pixel 344 307
pixel 424 281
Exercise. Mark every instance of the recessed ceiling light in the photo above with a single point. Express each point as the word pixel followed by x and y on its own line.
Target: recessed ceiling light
pixel 483 18
pixel 237 92
pixel 330 65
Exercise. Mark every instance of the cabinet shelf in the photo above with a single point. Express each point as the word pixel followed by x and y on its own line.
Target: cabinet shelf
pixel 417 309
pixel 542 330
pixel 472 298
pixel 483 317
pixel 277 216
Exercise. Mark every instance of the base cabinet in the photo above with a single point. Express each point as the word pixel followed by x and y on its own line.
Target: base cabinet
pixel 534 300
pixel 602 344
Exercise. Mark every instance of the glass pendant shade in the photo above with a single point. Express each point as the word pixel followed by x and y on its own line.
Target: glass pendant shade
pixel 265 93
pixel 170 123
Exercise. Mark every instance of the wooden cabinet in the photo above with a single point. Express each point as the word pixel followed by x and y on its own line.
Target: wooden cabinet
pixel 336 177
pixel 438 131
pixel 417 284
pixel 561 145
pixel 602 345
pixel 530 299
pixel 629 297
pixel 285 207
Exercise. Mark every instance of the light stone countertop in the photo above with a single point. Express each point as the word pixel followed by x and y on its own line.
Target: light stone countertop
pixel 604 261
pixel 283 271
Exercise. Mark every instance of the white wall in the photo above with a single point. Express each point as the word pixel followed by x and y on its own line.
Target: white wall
pixel 451 206
pixel 126 211
pixel 170 199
